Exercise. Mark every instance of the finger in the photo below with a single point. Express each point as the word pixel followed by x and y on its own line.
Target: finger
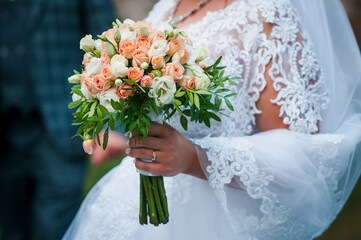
pixel 143 153
pixel 149 142
pixel 155 168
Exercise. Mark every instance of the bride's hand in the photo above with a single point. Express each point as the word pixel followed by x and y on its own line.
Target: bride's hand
pixel 174 153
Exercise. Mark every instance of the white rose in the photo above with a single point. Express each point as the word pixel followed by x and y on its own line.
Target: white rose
pixel 164 26
pixel 119 69
pixel 87 43
pixel 201 53
pixel 93 66
pixel 106 97
pixel 196 70
pixel 167 86
pixel 202 82
pixel 192 54
pixel 159 48
pixel 85 92
pixel 75 97
pixel 98 44
pixel 127 34
pixel 119 58
pixel 128 21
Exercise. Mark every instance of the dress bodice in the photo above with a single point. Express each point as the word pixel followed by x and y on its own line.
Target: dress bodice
pixel 237 34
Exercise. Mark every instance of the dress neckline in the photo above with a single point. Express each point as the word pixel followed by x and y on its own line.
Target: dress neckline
pixel 202 19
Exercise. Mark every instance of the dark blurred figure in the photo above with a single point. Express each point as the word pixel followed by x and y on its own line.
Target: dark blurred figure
pixel 41 167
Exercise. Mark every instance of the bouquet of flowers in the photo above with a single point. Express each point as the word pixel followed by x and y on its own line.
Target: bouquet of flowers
pixel 135 71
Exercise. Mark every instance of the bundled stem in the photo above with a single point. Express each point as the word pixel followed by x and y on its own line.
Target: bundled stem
pixel 153 201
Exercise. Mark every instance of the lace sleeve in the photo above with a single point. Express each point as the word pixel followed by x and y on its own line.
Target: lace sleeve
pixel 281 173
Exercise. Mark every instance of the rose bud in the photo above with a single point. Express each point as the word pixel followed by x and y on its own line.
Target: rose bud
pixel 174 46
pixel 182 56
pixel 146 81
pixel 124 93
pixel 107 74
pixel 74 79
pixel 140 56
pixel 174 70
pixel 187 82
pixel 100 83
pixel 127 48
pixel 110 49
pixel 135 73
pixel 143 30
pixel 158 62
pixel 144 65
pixel 118 82
pixel 89 146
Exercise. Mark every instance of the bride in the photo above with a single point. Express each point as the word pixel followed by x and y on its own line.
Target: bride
pixel 283 164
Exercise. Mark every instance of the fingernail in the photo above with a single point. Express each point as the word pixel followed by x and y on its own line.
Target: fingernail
pixel 128 143
pixel 127 150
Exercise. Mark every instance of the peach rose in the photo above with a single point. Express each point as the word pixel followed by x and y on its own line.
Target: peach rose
pixel 127 48
pixel 89 146
pixel 135 73
pixel 184 40
pixel 174 46
pixel 124 93
pixel 83 77
pixel 107 74
pixel 146 81
pixel 182 56
pixel 143 42
pixel 89 84
pixel 100 83
pixel 156 35
pixel 158 62
pixel 104 58
pixel 86 59
pixel 174 70
pixel 139 56
pixel 187 82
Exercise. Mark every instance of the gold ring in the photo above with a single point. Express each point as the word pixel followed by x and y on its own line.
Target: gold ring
pixel 154 156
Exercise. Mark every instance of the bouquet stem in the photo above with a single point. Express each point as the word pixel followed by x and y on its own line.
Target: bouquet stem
pixel 153 201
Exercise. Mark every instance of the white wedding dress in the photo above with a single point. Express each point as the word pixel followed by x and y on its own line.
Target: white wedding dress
pixel 279 184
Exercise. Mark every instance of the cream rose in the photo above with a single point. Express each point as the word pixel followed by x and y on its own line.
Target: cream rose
pixel 128 21
pixel 159 48
pixel 192 55
pixel 120 59
pixel 127 34
pixel 201 53
pixel 202 82
pixel 94 66
pixel 167 88
pixel 163 26
pixel 106 97
pixel 87 43
pixel 119 69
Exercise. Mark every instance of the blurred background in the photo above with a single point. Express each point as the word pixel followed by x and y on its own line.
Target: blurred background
pixel 347 225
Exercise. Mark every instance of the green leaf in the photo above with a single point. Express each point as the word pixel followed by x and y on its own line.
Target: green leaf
pixel 92 109
pixel 187 112
pixel 111 122
pixel 105 138
pixel 230 95
pixel 196 100
pixel 222 90
pixel 184 122
pixel 78 92
pixel 103 109
pixel 229 104
pixel 93 118
pixel 177 102
pixel 205 92
pixel 190 96
pixel 74 104
pixel 179 94
pixel 214 116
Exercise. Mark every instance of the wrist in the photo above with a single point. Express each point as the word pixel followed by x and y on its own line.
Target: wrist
pixel 194 168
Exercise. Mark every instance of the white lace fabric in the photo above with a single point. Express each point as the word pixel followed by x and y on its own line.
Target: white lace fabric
pixel 279 184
